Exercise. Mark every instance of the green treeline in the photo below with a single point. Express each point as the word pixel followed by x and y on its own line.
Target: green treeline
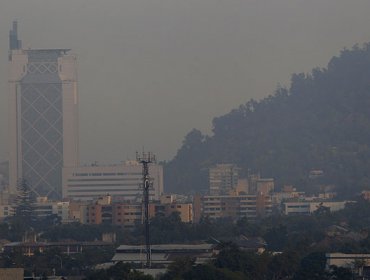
pixel 296 246
pixel 301 241
pixel 321 122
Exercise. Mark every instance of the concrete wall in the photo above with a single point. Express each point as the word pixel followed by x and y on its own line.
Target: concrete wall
pixel 11 273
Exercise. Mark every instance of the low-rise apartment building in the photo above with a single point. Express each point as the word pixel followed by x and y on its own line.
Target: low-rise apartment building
pixel 40 209
pixel 234 206
pixel 309 207
pixel 130 213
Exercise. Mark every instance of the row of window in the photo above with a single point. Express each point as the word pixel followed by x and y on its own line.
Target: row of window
pixel 105 191
pixel 298 206
pixel 106 174
pixel 90 185
pixel 130 206
pixel 135 179
pixel 252 197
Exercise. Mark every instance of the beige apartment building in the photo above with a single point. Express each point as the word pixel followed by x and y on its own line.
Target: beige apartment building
pixel 233 206
pixel 130 213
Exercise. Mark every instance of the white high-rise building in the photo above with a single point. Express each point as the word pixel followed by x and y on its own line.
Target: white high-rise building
pixel 43 116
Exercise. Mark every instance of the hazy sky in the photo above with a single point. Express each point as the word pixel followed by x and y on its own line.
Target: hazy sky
pixel 151 70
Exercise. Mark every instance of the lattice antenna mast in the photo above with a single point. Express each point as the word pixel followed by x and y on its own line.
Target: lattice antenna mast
pixel 145 159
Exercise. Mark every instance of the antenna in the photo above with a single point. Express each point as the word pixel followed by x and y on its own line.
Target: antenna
pixel 145 159
pixel 14 43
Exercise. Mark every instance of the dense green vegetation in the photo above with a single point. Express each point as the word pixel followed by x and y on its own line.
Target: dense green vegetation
pixel 53 260
pixel 120 271
pixel 234 264
pixel 321 122
pixel 301 240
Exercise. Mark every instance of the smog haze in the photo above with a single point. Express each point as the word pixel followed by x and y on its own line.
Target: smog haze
pixel 150 71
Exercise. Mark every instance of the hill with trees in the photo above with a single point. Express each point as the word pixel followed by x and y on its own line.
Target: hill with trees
pixel 322 122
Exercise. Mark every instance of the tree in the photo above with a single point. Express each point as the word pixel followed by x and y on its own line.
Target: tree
pixel 322 121
pixel 23 218
pixel 340 273
pixel 178 268
pixel 283 266
pixel 313 267
pixel 119 271
pixel 24 203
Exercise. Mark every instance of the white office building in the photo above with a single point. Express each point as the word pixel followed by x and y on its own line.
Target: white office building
pixel 121 181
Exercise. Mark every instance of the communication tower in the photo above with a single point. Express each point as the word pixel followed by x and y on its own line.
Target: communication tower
pixel 145 159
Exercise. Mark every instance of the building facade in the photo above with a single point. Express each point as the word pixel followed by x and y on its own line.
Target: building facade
pixel 43 116
pixel 163 255
pixel 129 214
pixel 41 209
pixel 121 181
pixel 223 178
pixel 309 207
pixel 234 206
pixel 256 184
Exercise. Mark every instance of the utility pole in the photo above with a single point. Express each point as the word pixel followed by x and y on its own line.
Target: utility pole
pixel 145 159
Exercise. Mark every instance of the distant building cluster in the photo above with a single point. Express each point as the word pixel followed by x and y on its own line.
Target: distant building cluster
pixel 130 213
pixel 44 150
pixel 112 194
pixel 254 197
pixel 232 197
pixel 105 210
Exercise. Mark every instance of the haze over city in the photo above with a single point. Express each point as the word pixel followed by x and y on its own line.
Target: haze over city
pixel 150 71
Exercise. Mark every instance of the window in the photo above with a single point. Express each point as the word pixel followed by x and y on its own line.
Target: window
pixel 80 174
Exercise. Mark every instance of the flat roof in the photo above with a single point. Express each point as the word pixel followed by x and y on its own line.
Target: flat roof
pixel 167 247
pixel 47 50
pixel 60 243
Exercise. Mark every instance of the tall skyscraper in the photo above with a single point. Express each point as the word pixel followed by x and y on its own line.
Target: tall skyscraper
pixel 43 116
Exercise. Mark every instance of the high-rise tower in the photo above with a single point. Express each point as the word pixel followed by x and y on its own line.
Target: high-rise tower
pixel 43 116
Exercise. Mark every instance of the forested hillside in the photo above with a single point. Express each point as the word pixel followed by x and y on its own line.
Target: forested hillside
pixel 321 122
